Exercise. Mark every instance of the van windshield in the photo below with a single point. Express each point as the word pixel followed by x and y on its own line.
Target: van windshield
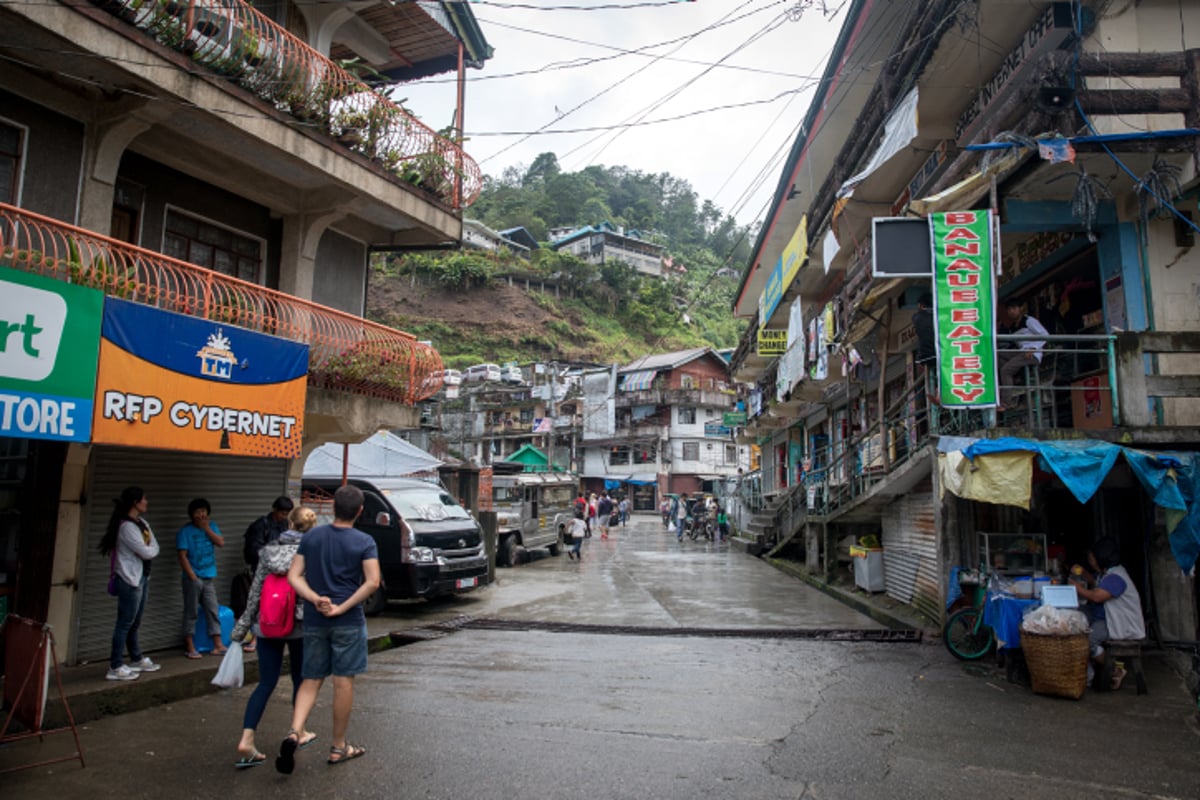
pixel 430 504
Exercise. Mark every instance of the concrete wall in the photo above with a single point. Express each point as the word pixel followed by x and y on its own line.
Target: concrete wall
pixel 341 273
pixel 50 169
pixel 1175 304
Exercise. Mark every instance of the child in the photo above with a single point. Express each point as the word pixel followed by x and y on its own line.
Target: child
pixel 722 523
pixel 578 530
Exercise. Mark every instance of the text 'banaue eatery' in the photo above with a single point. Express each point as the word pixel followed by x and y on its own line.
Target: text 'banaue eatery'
pixel 78 366
pixel 964 305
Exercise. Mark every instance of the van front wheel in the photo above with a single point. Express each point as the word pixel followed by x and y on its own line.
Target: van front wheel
pixel 375 604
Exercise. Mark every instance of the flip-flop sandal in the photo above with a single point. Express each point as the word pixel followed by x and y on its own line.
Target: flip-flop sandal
pixel 345 754
pixel 306 742
pixel 245 762
pixel 285 762
pixel 192 654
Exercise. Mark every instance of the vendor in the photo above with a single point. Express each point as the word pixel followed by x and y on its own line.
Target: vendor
pixel 1113 604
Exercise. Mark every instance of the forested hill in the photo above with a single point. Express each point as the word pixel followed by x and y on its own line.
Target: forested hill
pixel 463 303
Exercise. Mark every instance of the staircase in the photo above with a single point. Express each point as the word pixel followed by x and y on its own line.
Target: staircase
pixel 775 525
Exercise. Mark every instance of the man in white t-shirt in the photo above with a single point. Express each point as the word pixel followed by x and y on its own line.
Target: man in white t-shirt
pixel 1028 352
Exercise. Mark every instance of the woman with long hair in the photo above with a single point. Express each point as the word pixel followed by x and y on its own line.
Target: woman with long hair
pixel 273 559
pixel 130 545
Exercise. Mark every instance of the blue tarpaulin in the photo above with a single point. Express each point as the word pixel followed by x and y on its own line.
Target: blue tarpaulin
pixel 1172 479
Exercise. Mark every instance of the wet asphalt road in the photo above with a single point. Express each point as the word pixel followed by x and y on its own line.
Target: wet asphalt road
pixel 532 714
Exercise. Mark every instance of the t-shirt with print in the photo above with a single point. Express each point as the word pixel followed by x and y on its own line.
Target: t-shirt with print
pixel 333 559
pixel 200 552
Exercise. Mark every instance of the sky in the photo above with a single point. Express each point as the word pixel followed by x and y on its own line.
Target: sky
pixel 714 96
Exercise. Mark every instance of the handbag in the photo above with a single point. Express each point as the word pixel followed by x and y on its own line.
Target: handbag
pixel 231 675
pixel 614 520
pixel 112 573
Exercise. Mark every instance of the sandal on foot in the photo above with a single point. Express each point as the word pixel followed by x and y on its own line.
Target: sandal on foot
pixel 253 760
pixel 192 654
pixel 285 762
pixel 306 742
pixel 345 753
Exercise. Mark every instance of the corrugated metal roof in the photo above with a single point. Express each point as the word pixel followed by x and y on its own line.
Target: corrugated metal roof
pixel 666 360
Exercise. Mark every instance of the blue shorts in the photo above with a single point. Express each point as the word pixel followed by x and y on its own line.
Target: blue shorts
pixel 340 651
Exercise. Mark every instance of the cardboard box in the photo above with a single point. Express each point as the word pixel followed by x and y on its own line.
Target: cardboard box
pixel 1091 403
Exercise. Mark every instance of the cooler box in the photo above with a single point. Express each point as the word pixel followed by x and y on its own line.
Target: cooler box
pixel 200 636
pixel 868 568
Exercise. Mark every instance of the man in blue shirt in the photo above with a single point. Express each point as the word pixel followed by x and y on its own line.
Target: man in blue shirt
pixel 194 545
pixel 334 570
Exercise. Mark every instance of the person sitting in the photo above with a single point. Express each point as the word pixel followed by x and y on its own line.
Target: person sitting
pixel 1113 605
pixel 1028 352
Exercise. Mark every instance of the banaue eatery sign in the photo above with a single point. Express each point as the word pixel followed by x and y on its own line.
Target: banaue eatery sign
pixel 175 382
pixel 964 298
pixel 48 345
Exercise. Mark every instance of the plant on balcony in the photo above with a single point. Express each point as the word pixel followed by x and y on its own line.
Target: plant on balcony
pixel 366 367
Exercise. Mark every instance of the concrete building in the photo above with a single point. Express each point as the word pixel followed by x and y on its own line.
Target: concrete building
pixel 656 425
pixel 1090 114
pixel 198 186
pixel 600 244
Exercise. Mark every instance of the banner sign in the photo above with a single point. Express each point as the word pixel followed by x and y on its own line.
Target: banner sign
pixel 717 430
pixel 965 307
pixel 48 346
pixel 175 382
pixel 793 257
pixel 734 418
pixel 772 342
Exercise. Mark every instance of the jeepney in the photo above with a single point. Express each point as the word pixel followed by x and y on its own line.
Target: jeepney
pixel 533 509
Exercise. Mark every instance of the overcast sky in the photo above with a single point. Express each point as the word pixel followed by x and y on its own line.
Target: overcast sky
pixel 563 65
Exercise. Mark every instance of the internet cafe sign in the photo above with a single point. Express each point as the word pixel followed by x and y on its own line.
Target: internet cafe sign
pixel 964 298
pixel 48 341
pixel 180 383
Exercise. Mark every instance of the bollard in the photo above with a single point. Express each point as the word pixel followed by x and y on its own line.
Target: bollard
pixel 491 530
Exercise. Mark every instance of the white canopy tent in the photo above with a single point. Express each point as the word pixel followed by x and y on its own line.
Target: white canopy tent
pixel 383 455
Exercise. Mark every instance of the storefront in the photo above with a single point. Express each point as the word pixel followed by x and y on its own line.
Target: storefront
pixel 184 408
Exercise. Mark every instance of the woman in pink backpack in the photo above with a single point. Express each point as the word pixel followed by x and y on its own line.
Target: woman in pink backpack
pixel 274 560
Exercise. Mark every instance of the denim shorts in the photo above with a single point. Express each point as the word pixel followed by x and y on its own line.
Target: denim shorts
pixel 340 651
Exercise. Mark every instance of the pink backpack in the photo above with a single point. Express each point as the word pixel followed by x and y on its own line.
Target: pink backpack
pixel 276 607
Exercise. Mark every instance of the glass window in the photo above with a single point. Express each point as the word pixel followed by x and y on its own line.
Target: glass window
pixel 10 162
pixel 687 381
pixel 645 455
pixel 687 415
pixel 731 454
pixel 618 455
pixel 213 247
pixel 426 503
pixel 557 495
pixel 691 451
pixel 506 494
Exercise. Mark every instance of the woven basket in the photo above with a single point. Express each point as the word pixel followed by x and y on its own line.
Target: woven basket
pixel 1057 664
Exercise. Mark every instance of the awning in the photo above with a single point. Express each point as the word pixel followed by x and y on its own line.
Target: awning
pixel 638 381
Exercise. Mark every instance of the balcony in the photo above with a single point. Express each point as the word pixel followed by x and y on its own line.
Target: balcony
pixel 346 353
pixel 239 43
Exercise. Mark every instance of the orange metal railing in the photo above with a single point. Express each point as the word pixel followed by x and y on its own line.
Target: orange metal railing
pixel 346 352
pixel 239 42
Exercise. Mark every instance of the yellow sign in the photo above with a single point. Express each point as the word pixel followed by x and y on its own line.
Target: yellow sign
pixel 789 263
pixel 772 342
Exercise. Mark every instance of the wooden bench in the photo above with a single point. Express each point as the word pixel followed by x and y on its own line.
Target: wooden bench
pixel 1128 651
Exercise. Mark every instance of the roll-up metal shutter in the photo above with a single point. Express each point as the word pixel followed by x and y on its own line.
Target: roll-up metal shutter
pixel 910 554
pixel 240 490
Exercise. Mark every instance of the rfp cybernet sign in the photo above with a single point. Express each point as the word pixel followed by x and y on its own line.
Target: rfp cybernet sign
pixel 174 382
pixel 49 337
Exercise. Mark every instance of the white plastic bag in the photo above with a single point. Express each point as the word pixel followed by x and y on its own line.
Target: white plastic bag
pixel 231 674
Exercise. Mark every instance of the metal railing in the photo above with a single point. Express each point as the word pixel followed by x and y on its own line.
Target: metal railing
pixel 346 352
pixel 242 44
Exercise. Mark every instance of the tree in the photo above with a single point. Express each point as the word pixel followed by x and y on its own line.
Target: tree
pixel 543 168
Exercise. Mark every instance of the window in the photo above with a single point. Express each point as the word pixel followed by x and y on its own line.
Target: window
pixel 687 415
pixel 212 247
pixel 10 163
pixel 645 455
pixel 618 456
pixel 687 381
pixel 691 451
pixel 526 416
pixel 731 455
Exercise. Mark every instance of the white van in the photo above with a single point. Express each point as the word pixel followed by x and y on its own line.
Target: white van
pixel 482 372
pixel 451 377
pixel 512 374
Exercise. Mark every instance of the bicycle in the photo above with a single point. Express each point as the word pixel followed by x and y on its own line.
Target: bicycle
pixel 965 634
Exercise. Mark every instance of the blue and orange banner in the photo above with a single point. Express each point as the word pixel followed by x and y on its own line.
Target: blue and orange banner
pixel 174 382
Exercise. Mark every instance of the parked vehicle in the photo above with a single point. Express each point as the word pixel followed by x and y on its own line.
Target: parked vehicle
pixel 482 372
pixel 512 374
pixel 452 377
pixel 428 544
pixel 533 509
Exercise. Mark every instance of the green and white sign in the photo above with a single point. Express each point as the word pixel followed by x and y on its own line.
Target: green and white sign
pixel 49 344
pixel 965 307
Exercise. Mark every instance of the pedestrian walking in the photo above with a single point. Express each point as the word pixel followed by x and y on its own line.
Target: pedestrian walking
pixel 578 533
pixel 722 523
pixel 336 568
pixel 623 510
pixel 665 509
pixel 259 533
pixel 130 545
pixel 604 510
pixel 592 509
pixel 274 559
pixel 195 546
